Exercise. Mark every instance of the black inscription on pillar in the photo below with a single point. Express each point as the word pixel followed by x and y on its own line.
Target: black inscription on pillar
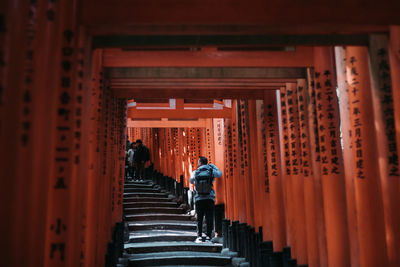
pixel 386 98
pixel 57 247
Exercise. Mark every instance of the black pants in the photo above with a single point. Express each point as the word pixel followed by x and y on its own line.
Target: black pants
pixel 205 207
pixel 140 170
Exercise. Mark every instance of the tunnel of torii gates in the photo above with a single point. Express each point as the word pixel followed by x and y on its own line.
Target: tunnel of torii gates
pixel 305 128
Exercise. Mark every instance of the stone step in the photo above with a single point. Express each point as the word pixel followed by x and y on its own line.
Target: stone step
pixel 162 235
pixel 158 210
pixel 158 195
pixel 151 247
pixel 163 225
pixel 149 204
pixel 161 217
pixel 142 190
pixel 136 199
pixel 178 258
pixel 139 183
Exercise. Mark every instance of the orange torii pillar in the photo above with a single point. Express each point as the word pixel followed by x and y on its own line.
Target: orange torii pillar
pixel 240 204
pixel 162 149
pixel 258 150
pixel 340 55
pixel 370 213
pixel 297 180
pixel 245 175
pixel 19 45
pixel 394 55
pixel 316 169
pixel 333 184
pixel 228 156
pixel 219 160
pixel 209 141
pixel 93 171
pixel 169 154
pixel 286 170
pixel 310 211
pixel 79 170
pixel 274 170
pixel 382 97
pixel 61 190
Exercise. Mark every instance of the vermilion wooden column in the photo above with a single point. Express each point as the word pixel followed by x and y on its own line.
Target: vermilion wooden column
pixel 93 155
pixel 61 186
pixel 240 204
pixel 168 154
pixel 316 169
pixel 382 98
pixel 259 155
pixel 245 175
pixel 228 169
pixel 42 100
pixel 394 55
pixel 287 179
pixel 368 187
pixel 333 184
pixel 15 140
pixel 340 55
pixel 274 170
pixel 210 151
pixel 78 181
pixel 218 133
pixel 311 222
pixel 256 176
pixel 297 181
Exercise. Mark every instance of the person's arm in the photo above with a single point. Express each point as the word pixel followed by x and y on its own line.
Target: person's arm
pixel 191 179
pixel 216 172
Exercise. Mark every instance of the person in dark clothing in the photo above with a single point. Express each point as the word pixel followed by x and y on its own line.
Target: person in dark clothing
pixel 204 200
pixel 142 155
pixel 128 143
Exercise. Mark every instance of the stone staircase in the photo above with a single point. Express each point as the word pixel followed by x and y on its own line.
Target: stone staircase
pixel 161 233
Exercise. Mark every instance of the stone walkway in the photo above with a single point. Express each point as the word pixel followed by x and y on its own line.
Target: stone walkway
pixel 161 233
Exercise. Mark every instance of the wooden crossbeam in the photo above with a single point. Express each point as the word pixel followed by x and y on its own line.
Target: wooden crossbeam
pixel 118 41
pixel 164 123
pixel 227 93
pixel 207 73
pixel 301 57
pixel 178 113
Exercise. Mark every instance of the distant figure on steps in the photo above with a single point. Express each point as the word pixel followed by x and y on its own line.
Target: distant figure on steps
pixel 142 155
pixel 203 179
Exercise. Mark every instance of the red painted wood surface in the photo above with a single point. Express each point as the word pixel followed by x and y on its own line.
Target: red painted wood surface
pixel 370 214
pixel 340 56
pixel 310 211
pixel 297 182
pixel 274 170
pixel 286 170
pixel 302 57
pixel 333 186
pixel 384 115
pixel 316 169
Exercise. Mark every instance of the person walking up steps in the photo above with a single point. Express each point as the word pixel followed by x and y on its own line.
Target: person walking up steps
pixel 203 179
pixel 142 155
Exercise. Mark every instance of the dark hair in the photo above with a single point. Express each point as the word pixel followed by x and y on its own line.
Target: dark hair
pixel 139 141
pixel 203 160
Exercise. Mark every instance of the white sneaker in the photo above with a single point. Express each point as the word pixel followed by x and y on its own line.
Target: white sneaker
pixel 198 240
pixel 208 239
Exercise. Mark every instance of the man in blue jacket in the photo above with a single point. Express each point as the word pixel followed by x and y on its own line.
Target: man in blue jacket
pixel 203 179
